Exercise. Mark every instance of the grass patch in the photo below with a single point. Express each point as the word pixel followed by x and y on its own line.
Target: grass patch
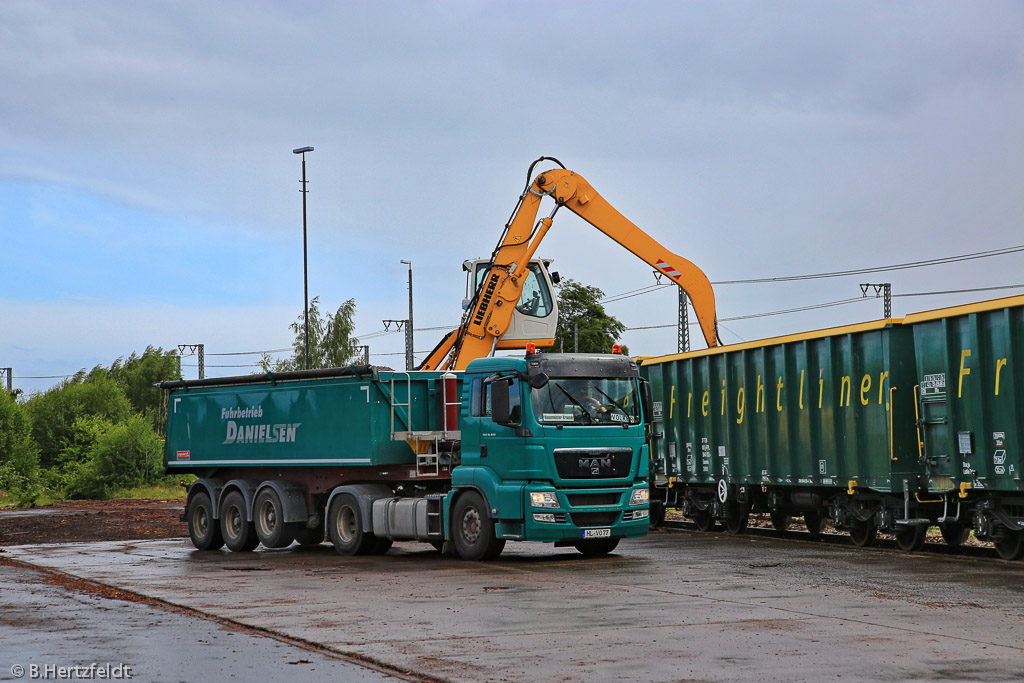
pixel 156 492
pixel 9 501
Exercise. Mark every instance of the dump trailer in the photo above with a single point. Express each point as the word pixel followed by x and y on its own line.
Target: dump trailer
pixel 545 447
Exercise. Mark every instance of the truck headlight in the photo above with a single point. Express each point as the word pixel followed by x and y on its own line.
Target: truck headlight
pixel 543 499
pixel 640 497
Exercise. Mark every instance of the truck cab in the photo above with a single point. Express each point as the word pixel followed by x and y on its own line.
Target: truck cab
pixel 553 449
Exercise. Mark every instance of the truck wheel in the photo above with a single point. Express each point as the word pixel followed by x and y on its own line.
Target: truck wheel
pixel 345 527
pixel 268 514
pixel 202 527
pixel 596 546
pixel 308 537
pixel 473 529
pixel 239 534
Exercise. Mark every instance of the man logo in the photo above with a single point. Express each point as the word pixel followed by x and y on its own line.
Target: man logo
pixel 595 464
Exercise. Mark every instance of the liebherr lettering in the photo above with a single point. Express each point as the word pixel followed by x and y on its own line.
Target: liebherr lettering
pixel 261 433
pixel 485 301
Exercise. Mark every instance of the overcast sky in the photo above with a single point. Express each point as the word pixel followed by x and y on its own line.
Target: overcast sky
pixel 149 194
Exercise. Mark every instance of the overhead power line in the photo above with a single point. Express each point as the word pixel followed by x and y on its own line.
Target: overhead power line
pixel 837 273
pixel 882 269
pixel 828 304
pixel 962 291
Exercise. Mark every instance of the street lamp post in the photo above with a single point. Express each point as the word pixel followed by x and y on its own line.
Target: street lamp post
pixel 305 264
pixel 409 360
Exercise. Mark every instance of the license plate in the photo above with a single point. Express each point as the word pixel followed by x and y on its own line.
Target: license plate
pixel 597 533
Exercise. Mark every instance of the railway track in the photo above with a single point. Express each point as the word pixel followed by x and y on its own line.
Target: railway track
pixel 830 537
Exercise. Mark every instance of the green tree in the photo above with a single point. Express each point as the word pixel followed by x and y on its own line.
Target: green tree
pixel 580 315
pixel 19 459
pixel 331 343
pixel 54 412
pixel 137 375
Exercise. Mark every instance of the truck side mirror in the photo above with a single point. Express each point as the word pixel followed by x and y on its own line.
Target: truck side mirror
pixel 646 405
pixel 499 401
pixel 538 380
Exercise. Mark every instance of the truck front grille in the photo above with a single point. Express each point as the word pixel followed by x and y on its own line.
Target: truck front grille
pixel 592 499
pixel 585 519
pixel 593 463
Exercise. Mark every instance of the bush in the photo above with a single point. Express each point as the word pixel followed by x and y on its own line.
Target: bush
pixel 125 455
pixel 55 412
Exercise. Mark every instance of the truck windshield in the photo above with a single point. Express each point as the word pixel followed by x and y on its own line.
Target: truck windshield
pixel 587 401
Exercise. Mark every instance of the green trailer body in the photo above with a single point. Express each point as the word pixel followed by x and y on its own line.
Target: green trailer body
pixel 345 418
pixel 970 394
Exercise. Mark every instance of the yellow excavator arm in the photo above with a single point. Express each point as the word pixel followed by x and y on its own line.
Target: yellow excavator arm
pixel 490 311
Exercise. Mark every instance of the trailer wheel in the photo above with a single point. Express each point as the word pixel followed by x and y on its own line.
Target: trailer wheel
pixel 345 527
pixel 203 529
pixel 474 531
pixel 954 533
pixel 596 546
pixel 268 516
pixel 911 538
pixel 239 533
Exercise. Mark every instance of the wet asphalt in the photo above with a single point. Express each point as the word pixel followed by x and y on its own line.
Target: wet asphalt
pixel 78 634
pixel 675 606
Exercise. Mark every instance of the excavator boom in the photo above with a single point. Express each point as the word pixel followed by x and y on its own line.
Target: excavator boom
pixel 493 305
pixel 575 193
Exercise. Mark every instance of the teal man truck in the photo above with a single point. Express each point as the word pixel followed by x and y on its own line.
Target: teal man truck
pixel 545 447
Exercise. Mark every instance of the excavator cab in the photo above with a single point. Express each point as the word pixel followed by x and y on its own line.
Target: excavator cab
pixel 536 315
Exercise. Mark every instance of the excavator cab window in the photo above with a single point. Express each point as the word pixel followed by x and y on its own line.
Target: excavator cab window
pixel 536 298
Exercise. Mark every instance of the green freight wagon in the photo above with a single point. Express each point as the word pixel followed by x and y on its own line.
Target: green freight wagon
pixel 853 423
pixel 970 409
pixel 549 447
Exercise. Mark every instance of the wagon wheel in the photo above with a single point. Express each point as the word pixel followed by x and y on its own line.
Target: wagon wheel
pixel 703 520
pixel 911 537
pixel 863 533
pixel 954 533
pixel 781 521
pixel 657 514
pixel 814 522
pixel 1010 544
pixel 737 523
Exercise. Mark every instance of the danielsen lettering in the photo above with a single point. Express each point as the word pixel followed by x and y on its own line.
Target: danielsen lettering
pixel 261 433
